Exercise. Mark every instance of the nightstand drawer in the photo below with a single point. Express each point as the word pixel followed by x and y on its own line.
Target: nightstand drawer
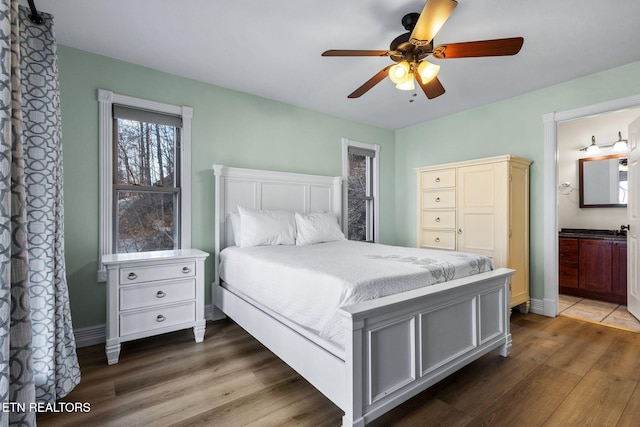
pixel 157 272
pixel 438 239
pixel 148 295
pixel 162 317
pixel 438 199
pixel 438 178
pixel 439 219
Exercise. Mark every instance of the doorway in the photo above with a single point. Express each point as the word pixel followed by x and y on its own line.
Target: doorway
pixel 586 204
pixel 551 182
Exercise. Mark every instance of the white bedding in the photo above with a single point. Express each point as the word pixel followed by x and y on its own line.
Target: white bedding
pixel 307 284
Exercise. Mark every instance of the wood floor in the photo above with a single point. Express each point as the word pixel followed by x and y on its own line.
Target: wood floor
pixel 561 372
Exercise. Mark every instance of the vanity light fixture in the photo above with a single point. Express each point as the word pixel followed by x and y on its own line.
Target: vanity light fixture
pixel 619 146
pixel 593 148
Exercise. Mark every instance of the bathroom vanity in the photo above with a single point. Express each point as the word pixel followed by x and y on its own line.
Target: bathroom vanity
pixel 593 264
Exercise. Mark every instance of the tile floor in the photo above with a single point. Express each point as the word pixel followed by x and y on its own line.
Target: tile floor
pixel 597 311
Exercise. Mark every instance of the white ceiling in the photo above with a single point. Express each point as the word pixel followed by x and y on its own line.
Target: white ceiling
pixel 271 48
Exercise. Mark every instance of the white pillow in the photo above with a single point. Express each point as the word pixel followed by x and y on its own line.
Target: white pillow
pixel 234 217
pixel 317 227
pixel 264 227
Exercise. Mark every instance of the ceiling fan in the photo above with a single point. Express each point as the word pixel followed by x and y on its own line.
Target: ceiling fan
pixel 410 49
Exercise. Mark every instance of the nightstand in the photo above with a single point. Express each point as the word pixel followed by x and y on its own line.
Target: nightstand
pixel 151 293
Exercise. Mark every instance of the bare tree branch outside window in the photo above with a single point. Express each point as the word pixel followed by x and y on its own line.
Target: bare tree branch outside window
pixel 359 198
pixel 146 188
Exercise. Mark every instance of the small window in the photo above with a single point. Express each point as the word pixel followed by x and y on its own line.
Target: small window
pixel 146 180
pixel 360 172
pixel 145 175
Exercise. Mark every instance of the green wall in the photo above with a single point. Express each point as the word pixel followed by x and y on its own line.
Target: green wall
pixel 228 127
pixel 513 126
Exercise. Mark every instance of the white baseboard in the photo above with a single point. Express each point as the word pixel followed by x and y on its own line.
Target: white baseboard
pixel 93 335
pixel 90 335
pixel 208 312
pixel 537 306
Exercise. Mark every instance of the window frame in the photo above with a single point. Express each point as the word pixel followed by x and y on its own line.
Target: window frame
pixel 106 99
pixel 375 178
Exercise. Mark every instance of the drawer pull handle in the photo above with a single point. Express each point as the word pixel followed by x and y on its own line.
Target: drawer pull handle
pixel 160 294
pixel 160 318
pixel 438 179
pixel 459 230
pixel 437 239
pixel 438 219
pixel 132 276
pixel 186 270
pixel 437 199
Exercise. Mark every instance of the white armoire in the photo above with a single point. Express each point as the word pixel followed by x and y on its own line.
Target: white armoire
pixel 479 206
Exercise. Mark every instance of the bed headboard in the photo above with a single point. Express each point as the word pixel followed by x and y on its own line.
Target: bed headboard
pixel 260 189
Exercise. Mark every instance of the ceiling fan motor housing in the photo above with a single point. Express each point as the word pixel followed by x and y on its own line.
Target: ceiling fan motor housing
pixel 409 21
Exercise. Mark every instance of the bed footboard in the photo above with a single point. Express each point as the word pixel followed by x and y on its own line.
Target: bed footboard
pixel 400 345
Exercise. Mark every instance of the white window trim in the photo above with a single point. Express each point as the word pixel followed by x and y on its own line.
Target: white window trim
pixel 346 143
pixel 106 99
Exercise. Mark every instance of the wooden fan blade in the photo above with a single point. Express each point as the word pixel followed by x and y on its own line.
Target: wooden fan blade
pixel 370 83
pixel 432 89
pixel 496 47
pixel 433 16
pixel 337 52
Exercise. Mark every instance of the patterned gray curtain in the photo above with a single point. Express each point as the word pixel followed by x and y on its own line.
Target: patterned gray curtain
pixel 37 349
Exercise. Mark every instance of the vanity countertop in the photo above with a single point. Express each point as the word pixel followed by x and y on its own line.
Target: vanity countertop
pixel 582 233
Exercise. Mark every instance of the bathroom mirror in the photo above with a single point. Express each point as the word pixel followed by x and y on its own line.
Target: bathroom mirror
pixel 603 181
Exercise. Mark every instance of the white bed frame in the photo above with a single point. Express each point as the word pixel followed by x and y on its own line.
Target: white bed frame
pixel 396 346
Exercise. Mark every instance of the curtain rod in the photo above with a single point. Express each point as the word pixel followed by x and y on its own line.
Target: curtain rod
pixel 35 17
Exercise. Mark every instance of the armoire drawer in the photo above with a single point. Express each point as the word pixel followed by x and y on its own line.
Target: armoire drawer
pixel 438 239
pixel 438 179
pixel 438 199
pixel 157 293
pixel 438 219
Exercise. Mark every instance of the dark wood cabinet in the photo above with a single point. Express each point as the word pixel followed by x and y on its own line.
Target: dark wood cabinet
pixel 619 269
pixel 595 265
pixel 568 252
pixel 593 268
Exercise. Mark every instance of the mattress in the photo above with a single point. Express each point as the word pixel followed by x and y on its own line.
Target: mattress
pixel 307 284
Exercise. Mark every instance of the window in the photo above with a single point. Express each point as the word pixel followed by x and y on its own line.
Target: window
pixel 146 181
pixel 360 176
pixel 145 175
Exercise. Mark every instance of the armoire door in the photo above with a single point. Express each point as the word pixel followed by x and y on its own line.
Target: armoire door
pixel 482 210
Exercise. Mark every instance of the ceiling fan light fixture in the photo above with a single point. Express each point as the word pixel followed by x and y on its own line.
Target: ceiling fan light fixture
pixel 427 71
pixel 409 50
pixel 399 73
pixel 407 84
